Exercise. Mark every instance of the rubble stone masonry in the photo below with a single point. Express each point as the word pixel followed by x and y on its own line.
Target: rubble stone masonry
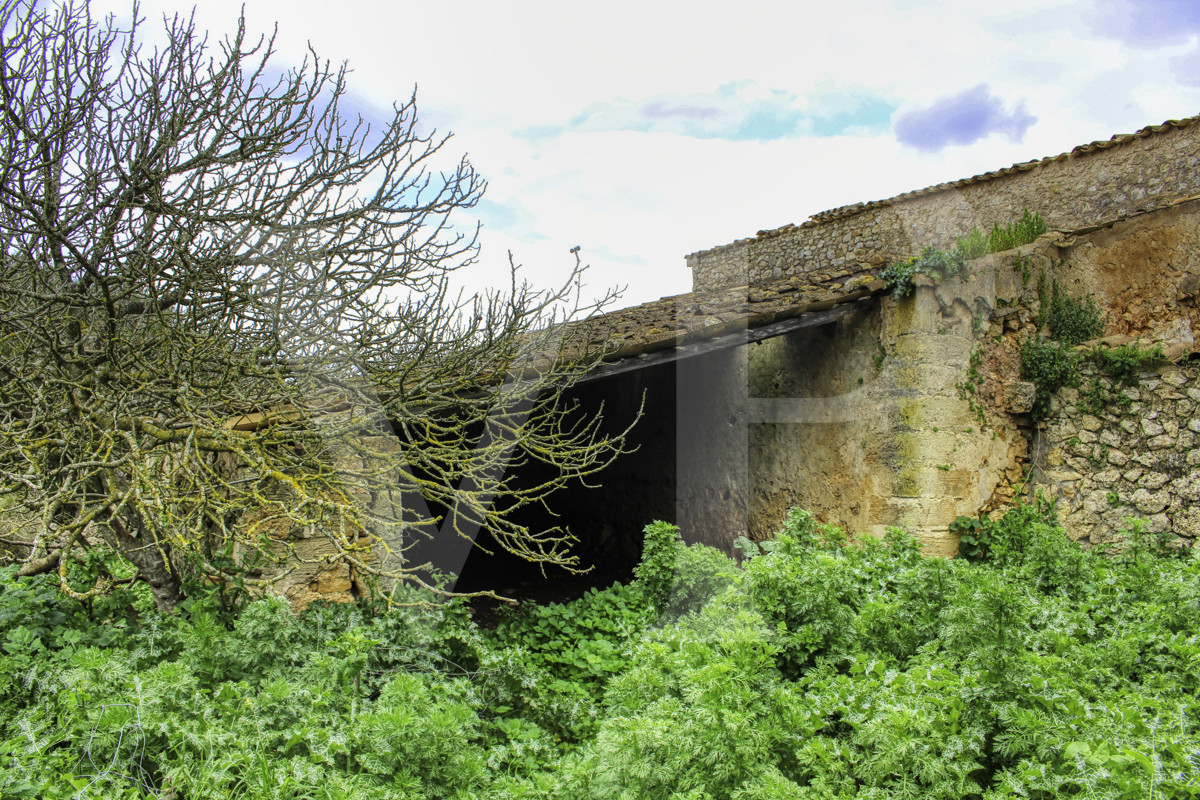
pixel 1135 456
pixel 1092 183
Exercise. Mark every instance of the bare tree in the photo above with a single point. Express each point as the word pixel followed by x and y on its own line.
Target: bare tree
pixel 226 315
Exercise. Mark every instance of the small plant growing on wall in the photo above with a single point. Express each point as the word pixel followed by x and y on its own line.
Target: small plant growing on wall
pixel 974 245
pixel 1024 231
pixel 937 264
pixel 943 264
pixel 1124 363
pixel 1023 265
pixel 1074 320
pixel 1050 366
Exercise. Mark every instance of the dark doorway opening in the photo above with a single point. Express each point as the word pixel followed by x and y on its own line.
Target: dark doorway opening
pixel 607 513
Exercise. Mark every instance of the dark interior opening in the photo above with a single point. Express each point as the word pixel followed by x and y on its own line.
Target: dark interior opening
pixel 606 517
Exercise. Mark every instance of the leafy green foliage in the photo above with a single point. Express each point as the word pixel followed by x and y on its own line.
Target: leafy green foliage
pixel 1006 540
pixel 969 531
pixel 581 644
pixel 825 667
pixel 655 571
pixel 694 716
pixel 701 573
pixel 974 245
pixel 945 264
pixel 1073 320
pixel 1023 231
pixel 937 264
pixel 1051 366
pixel 1124 363
pixel 676 578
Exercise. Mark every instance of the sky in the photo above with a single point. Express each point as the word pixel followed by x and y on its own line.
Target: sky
pixel 644 131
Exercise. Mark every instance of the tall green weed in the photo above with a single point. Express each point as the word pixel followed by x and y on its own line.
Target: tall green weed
pixel 824 667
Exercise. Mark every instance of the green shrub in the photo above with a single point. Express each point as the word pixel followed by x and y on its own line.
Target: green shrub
pixel 903 614
pixel 823 669
pixel 1124 363
pixel 1050 366
pixel 974 245
pixel 937 264
pixel 701 573
pixel 1074 320
pixel 970 537
pixel 677 578
pixel 945 264
pixel 701 714
pixel 807 595
pixel 1005 541
pixel 1024 231
pixel 799 529
pixel 655 572
pixel 421 735
pixel 583 643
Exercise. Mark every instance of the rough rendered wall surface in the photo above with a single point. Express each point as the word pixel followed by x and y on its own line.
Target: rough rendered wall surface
pixel 863 422
pixel 880 420
pixel 1093 183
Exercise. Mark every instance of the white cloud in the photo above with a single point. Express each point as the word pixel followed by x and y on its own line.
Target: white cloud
pixel 647 154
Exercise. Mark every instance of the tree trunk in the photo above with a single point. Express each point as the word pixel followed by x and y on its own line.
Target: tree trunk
pixel 153 568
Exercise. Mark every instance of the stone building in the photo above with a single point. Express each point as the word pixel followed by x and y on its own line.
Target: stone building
pixel 790 376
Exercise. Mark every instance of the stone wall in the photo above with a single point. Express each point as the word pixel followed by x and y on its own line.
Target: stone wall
pixel 864 423
pixel 875 420
pixel 1136 456
pixel 1092 183
pixel 1136 452
pixel 915 412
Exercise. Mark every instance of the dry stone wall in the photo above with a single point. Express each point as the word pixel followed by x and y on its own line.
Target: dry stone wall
pixel 1109 452
pixel 1136 457
pixel 1093 183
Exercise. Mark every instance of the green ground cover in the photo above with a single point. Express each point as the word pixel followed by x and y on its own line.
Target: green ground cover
pixel 815 668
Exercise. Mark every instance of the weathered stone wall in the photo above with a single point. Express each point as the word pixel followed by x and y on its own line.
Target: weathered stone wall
pixel 915 412
pixel 1137 456
pixel 310 566
pixel 864 422
pixel 1092 183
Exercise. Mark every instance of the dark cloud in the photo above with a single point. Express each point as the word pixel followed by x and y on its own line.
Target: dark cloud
pixel 963 118
pixel 1147 23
